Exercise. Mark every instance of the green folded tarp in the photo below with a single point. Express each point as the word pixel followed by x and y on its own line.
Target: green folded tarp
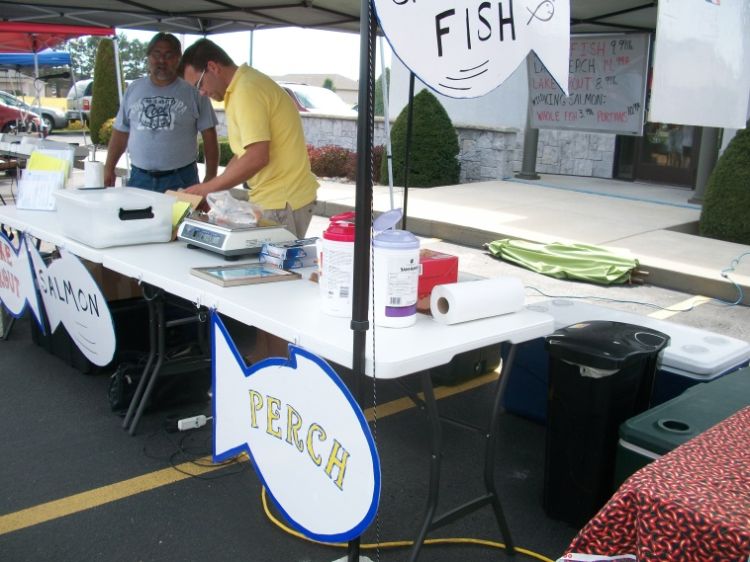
pixel 566 261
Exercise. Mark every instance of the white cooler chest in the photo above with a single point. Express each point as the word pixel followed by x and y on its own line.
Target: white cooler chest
pixel 115 216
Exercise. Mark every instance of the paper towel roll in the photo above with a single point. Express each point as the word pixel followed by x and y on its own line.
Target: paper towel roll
pixel 93 174
pixel 471 300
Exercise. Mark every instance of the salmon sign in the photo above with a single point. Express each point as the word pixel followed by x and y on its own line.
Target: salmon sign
pixel 306 436
pixel 466 48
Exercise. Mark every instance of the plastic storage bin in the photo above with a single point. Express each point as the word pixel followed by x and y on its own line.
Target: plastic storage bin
pixel 693 356
pixel 657 431
pixel 117 216
pixel 601 374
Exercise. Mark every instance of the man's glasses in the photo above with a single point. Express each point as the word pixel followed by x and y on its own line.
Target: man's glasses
pixel 200 80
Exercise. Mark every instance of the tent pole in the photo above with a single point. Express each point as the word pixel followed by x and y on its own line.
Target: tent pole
pixel 386 122
pixel 407 155
pixel 363 207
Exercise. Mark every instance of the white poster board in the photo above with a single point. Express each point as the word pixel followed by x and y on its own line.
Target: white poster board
pixel 702 63
pixel 17 278
pixel 464 48
pixel 607 86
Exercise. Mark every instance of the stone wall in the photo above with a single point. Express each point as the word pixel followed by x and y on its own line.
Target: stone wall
pixel 485 154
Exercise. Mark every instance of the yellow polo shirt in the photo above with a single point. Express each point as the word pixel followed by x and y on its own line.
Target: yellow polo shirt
pixel 257 109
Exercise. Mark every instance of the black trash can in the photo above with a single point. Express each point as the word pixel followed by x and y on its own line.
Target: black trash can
pixel 601 373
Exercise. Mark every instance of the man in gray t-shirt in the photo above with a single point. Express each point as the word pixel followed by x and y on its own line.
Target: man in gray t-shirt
pixel 159 121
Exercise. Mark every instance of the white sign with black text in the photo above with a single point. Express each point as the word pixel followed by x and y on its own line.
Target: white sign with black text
pixel 466 48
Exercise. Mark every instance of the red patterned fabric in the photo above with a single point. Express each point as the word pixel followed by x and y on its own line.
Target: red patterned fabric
pixel 692 504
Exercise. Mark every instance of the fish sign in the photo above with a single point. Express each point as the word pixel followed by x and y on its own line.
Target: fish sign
pixel 72 297
pixel 305 434
pixel 466 48
pixel 16 278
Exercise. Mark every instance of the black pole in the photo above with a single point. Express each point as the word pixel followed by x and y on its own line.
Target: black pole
pixel 407 153
pixel 363 207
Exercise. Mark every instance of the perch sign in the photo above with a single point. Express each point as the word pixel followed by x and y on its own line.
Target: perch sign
pixel 305 434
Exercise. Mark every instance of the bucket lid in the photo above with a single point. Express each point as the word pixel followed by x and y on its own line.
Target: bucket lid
pixel 348 216
pixel 397 239
pixel 340 231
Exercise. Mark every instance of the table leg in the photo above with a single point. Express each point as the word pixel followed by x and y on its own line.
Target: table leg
pixel 153 329
pixel 436 448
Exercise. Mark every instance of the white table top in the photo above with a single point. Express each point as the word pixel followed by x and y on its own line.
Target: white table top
pixel 291 309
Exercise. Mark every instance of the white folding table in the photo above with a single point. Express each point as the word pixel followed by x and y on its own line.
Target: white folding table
pixel 290 310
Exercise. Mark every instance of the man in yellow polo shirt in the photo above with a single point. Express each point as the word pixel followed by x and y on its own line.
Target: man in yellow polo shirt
pixel 265 135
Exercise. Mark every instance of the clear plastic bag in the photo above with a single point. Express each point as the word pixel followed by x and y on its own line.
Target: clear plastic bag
pixel 227 209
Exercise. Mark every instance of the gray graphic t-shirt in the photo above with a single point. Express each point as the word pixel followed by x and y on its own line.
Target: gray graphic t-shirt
pixel 163 123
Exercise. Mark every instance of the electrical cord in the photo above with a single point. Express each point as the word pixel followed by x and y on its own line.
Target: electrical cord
pixel 725 274
pixel 396 544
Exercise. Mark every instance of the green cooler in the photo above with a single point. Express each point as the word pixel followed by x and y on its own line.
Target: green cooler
pixel 657 431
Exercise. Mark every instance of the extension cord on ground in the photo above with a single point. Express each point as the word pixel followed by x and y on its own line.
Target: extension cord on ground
pixel 191 423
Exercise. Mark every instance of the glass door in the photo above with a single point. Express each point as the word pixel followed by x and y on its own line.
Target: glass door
pixel 667 153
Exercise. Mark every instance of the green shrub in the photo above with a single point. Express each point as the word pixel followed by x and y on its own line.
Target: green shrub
pixel 104 98
pixel 434 145
pixel 225 152
pixel 105 131
pixel 725 207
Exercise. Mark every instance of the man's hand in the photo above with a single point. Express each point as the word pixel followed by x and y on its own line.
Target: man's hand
pixel 198 189
pixel 109 178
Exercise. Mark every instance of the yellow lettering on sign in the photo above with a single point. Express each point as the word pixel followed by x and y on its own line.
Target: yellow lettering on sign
pixel 256 404
pixel 334 461
pixel 293 424
pixel 273 406
pixel 315 428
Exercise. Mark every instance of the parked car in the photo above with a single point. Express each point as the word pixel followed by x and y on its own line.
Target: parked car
pixel 314 99
pixel 52 117
pixel 79 100
pixel 14 120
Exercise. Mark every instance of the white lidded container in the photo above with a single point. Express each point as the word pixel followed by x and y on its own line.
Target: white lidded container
pixel 395 273
pixel 336 265
pixel 115 216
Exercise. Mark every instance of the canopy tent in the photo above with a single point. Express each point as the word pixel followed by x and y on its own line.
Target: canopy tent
pixel 44 58
pixel 23 37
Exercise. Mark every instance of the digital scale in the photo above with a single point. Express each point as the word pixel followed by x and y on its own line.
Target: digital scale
pixel 231 240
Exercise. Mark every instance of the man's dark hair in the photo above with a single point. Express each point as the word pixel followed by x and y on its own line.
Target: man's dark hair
pixel 200 53
pixel 173 42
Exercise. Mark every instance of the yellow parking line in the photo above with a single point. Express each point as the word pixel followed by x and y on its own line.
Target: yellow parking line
pixel 683 306
pixel 112 492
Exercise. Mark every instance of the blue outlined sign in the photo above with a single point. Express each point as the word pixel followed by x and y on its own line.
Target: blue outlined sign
pixel 305 434
pixel 466 48
pixel 17 278
pixel 72 297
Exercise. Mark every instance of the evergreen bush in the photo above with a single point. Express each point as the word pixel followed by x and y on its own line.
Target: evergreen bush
pixel 104 98
pixel 725 207
pixel 434 145
pixel 225 151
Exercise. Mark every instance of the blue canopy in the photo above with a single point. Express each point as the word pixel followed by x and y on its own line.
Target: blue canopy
pixel 45 58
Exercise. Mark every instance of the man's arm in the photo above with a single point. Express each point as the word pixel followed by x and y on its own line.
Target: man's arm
pixel 211 152
pixel 117 145
pixel 240 169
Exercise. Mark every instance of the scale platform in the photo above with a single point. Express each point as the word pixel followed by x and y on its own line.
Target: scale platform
pixel 231 240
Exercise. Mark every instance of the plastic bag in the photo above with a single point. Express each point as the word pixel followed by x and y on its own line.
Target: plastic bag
pixel 227 209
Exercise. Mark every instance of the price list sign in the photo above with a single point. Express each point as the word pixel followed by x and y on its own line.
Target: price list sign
pixel 606 83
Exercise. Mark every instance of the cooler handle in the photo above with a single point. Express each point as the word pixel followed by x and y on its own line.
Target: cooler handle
pixel 135 214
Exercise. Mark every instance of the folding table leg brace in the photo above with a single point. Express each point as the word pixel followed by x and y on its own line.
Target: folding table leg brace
pixel 431 521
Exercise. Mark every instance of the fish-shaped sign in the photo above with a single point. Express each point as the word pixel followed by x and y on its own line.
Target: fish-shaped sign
pixel 16 278
pixel 466 48
pixel 305 434
pixel 72 297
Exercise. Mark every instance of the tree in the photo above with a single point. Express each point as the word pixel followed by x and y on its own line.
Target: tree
pixel 724 214
pixel 132 56
pixel 104 99
pixel 328 84
pixel 434 145
pixel 379 105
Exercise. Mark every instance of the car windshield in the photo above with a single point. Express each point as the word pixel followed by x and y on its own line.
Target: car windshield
pixel 320 99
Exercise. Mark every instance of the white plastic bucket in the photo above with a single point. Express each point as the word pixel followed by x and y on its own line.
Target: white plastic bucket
pixel 336 268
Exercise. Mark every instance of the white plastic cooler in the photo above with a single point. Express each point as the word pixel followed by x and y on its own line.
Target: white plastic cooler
pixel 116 216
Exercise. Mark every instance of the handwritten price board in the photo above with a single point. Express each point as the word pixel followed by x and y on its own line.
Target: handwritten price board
pixel 606 83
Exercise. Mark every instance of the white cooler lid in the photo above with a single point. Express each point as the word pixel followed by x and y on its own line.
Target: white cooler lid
pixel 691 351
pixel 120 197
